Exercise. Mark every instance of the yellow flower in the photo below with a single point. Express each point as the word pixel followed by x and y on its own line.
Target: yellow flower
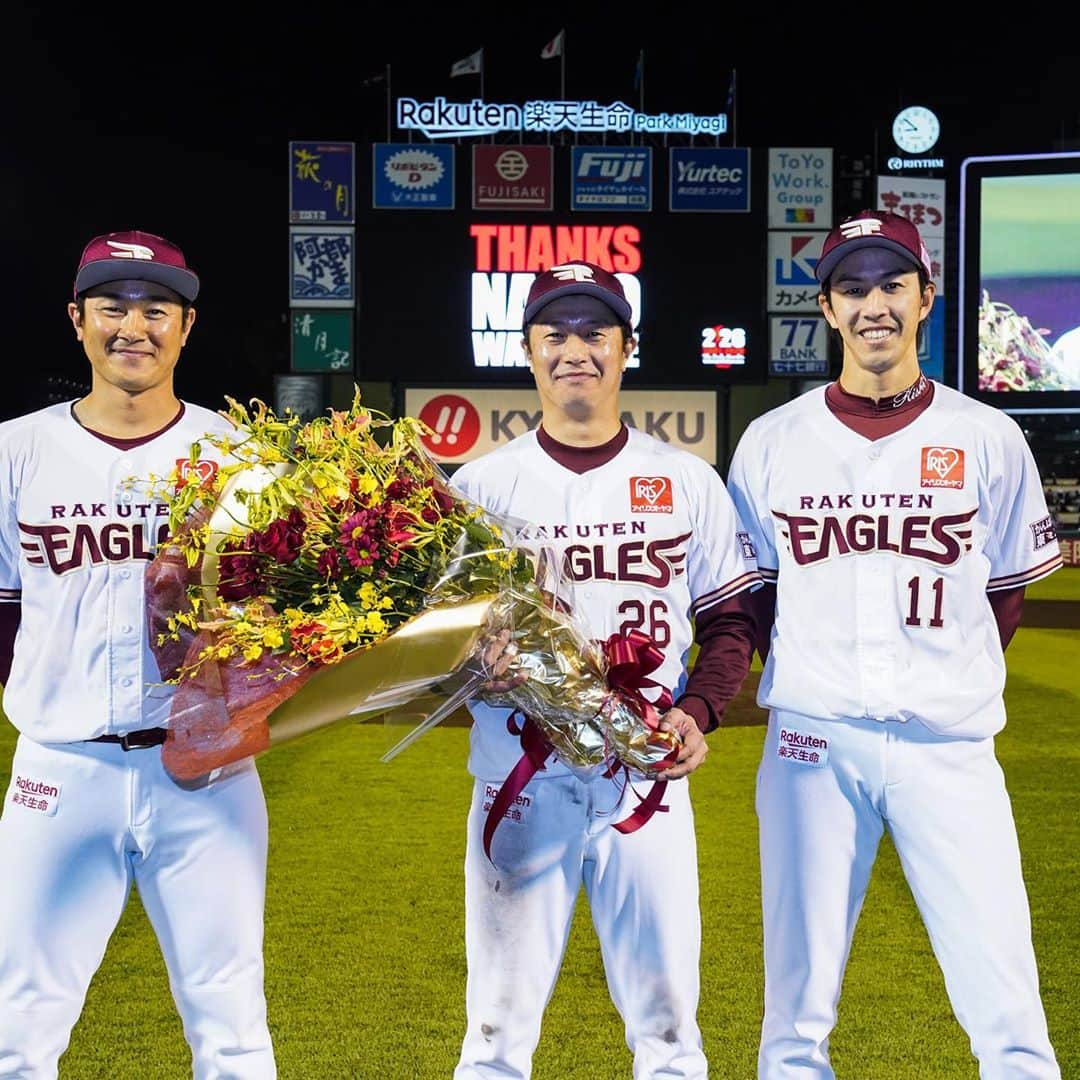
pixel 253 652
pixel 375 622
pixel 273 638
pixel 224 652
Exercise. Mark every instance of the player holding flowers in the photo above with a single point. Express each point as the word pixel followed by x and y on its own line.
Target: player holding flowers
pixel 649 545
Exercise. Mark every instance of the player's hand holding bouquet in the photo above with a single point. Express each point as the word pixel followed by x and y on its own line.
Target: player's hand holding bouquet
pixel 328 569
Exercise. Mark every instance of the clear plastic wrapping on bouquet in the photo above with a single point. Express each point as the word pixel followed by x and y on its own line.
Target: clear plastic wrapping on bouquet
pixel 565 682
pixel 328 574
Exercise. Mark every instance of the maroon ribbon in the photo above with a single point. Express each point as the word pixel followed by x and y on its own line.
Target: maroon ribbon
pixel 536 749
pixel 652 804
pixel 632 658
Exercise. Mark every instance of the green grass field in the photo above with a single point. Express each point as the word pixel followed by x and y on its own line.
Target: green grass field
pixel 1064 585
pixel 364 928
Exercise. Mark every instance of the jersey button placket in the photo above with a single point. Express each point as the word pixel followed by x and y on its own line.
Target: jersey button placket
pixel 125 653
pixel 875 603
pixel 123 643
pixel 580 509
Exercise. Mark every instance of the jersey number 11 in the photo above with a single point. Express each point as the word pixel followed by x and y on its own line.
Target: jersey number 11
pixel 938 589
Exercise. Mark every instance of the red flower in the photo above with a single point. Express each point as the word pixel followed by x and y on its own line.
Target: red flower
pixel 401 487
pixel 399 524
pixel 360 535
pixel 445 500
pixel 309 640
pixel 239 576
pixel 329 566
pixel 283 538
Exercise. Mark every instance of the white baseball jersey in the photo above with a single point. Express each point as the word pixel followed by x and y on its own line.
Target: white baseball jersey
pixel 883 553
pixel 646 541
pixel 75 540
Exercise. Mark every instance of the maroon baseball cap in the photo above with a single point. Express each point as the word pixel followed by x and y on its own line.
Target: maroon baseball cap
pixel 577 278
pixel 873 228
pixel 141 256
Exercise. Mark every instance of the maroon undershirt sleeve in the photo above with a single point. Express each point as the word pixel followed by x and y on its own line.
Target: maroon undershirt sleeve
pixel 1008 606
pixel 9 624
pixel 763 606
pixel 725 637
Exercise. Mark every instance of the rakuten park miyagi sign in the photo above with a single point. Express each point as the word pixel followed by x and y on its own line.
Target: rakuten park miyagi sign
pixel 442 119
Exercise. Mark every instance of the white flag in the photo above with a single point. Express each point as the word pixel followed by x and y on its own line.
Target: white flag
pixel 553 48
pixel 469 65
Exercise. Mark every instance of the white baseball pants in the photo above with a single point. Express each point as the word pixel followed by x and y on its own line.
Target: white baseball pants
pixel 198 859
pixel 945 805
pixel 643 896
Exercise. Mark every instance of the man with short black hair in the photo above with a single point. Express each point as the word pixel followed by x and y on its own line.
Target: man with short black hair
pixel 90 809
pixel 649 543
pixel 896 524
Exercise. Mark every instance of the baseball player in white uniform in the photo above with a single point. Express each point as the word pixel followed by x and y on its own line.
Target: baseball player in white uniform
pixel 649 541
pixel 90 810
pixel 896 524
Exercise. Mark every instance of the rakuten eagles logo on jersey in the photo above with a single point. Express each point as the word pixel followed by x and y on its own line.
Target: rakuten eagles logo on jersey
pixel 609 557
pixel 931 536
pixel 81 533
pixel 89 534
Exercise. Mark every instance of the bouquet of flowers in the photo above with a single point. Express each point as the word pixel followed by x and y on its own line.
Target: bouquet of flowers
pixel 1013 355
pixel 328 569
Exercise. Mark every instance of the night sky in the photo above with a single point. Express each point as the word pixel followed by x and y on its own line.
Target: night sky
pixel 179 125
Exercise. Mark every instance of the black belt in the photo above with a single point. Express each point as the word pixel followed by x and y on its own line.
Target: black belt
pixel 136 740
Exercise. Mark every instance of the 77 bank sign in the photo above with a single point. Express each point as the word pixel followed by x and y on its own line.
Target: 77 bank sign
pixel 506 259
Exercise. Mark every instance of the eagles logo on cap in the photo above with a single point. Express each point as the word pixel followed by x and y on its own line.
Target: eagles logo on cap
pixel 873 228
pixel 577 278
pixel 140 256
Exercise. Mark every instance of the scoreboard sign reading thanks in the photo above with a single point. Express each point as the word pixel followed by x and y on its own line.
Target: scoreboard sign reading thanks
pixel 506 259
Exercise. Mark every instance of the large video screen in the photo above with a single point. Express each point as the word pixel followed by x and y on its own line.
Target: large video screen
pixel 1020 282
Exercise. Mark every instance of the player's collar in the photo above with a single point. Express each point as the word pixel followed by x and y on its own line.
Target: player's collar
pixel 127 444
pixel 917 396
pixel 581 459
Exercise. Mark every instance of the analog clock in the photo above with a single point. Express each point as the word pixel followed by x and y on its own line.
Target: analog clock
pixel 915 129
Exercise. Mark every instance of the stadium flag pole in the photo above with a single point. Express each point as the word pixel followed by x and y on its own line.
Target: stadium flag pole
pixel 639 75
pixel 374 80
pixel 562 77
pixel 557 47
pixel 731 106
pixel 389 107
